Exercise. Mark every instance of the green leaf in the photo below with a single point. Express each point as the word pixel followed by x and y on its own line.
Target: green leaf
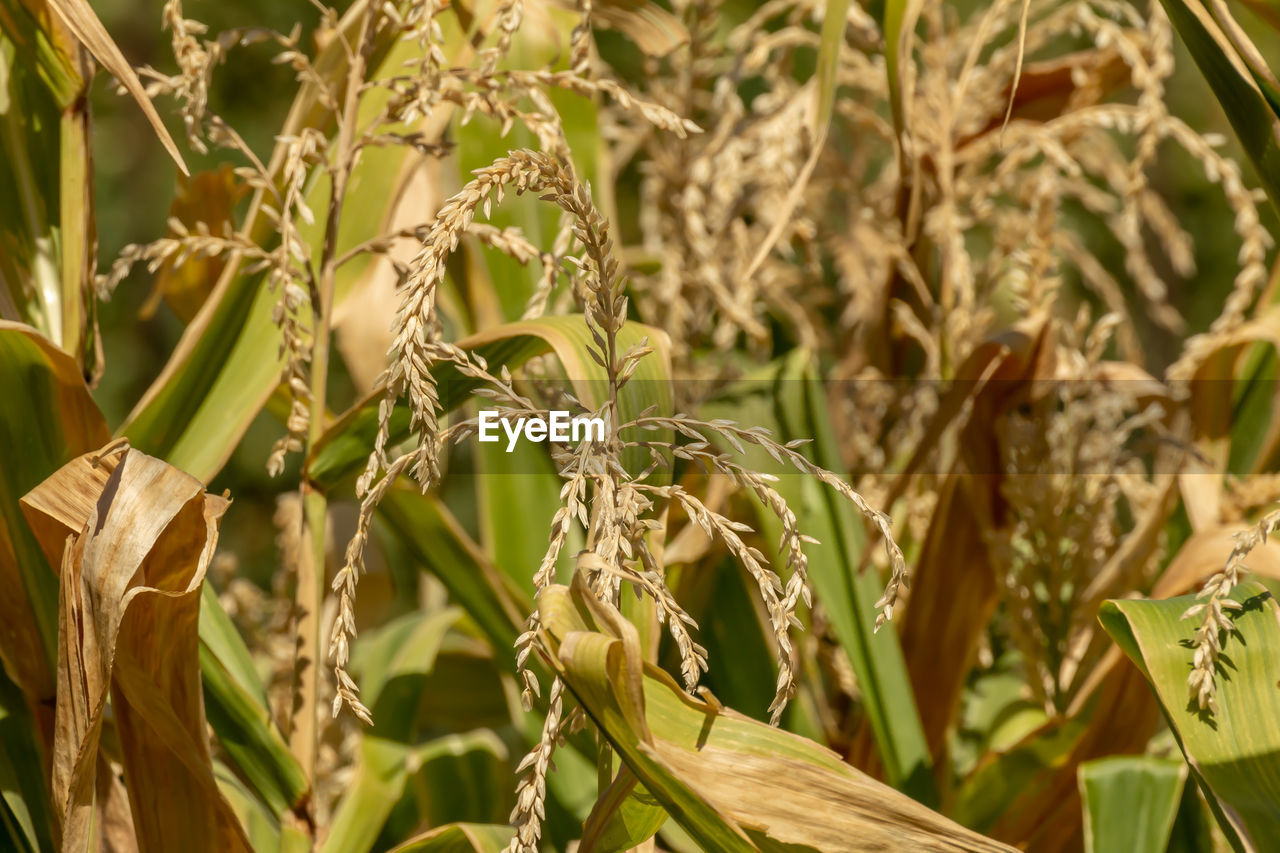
pixel 403 646
pixel 1193 826
pixel 228 363
pixel 435 539
pixel 1130 803
pixel 389 755
pixel 380 782
pixel 236 706
pixel 260 825
pixel 246 731
pixel 22 791
pixel 733 783
pixel 1252 116
pixel 1025 770
pixel 997 714
pixel 625 816
pixel 788 399
pixel 834 19
pixel 46 51
pixel 42 168
pixel 459 838
pixel 50 420
pixel 1234 754
pixel 518 493
pixel 898 23
pixel 720 597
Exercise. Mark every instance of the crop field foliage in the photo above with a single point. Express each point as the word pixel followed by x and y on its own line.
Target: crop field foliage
pixel 640 425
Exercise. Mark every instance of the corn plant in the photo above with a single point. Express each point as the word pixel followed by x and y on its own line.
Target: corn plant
pixel 697 426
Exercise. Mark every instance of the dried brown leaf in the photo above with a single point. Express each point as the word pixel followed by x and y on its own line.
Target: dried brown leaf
pixel 140 541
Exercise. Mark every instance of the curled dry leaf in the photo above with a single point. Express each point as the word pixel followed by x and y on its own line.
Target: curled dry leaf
pixel 135 537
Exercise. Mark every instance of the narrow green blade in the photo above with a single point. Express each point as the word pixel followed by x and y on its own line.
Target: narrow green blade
pixel 1130 803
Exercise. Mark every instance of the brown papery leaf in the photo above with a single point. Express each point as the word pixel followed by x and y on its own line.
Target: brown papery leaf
pixel 136 535
pixel 208 197
pixel 954 589
pixel 79 17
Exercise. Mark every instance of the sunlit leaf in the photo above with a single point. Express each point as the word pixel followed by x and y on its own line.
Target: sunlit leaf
pixel 1234 754
pixel 23 792
pixel 733 783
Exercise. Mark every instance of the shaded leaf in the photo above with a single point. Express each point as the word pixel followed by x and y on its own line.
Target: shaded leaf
pixel 438 542
pixel 1252 116
pixel 57 422
pixel 795 408
pixel 380 779
pixel 236 708
pixel 1130 803
pixel 21 789
pixel 459 838
pixel 624 816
